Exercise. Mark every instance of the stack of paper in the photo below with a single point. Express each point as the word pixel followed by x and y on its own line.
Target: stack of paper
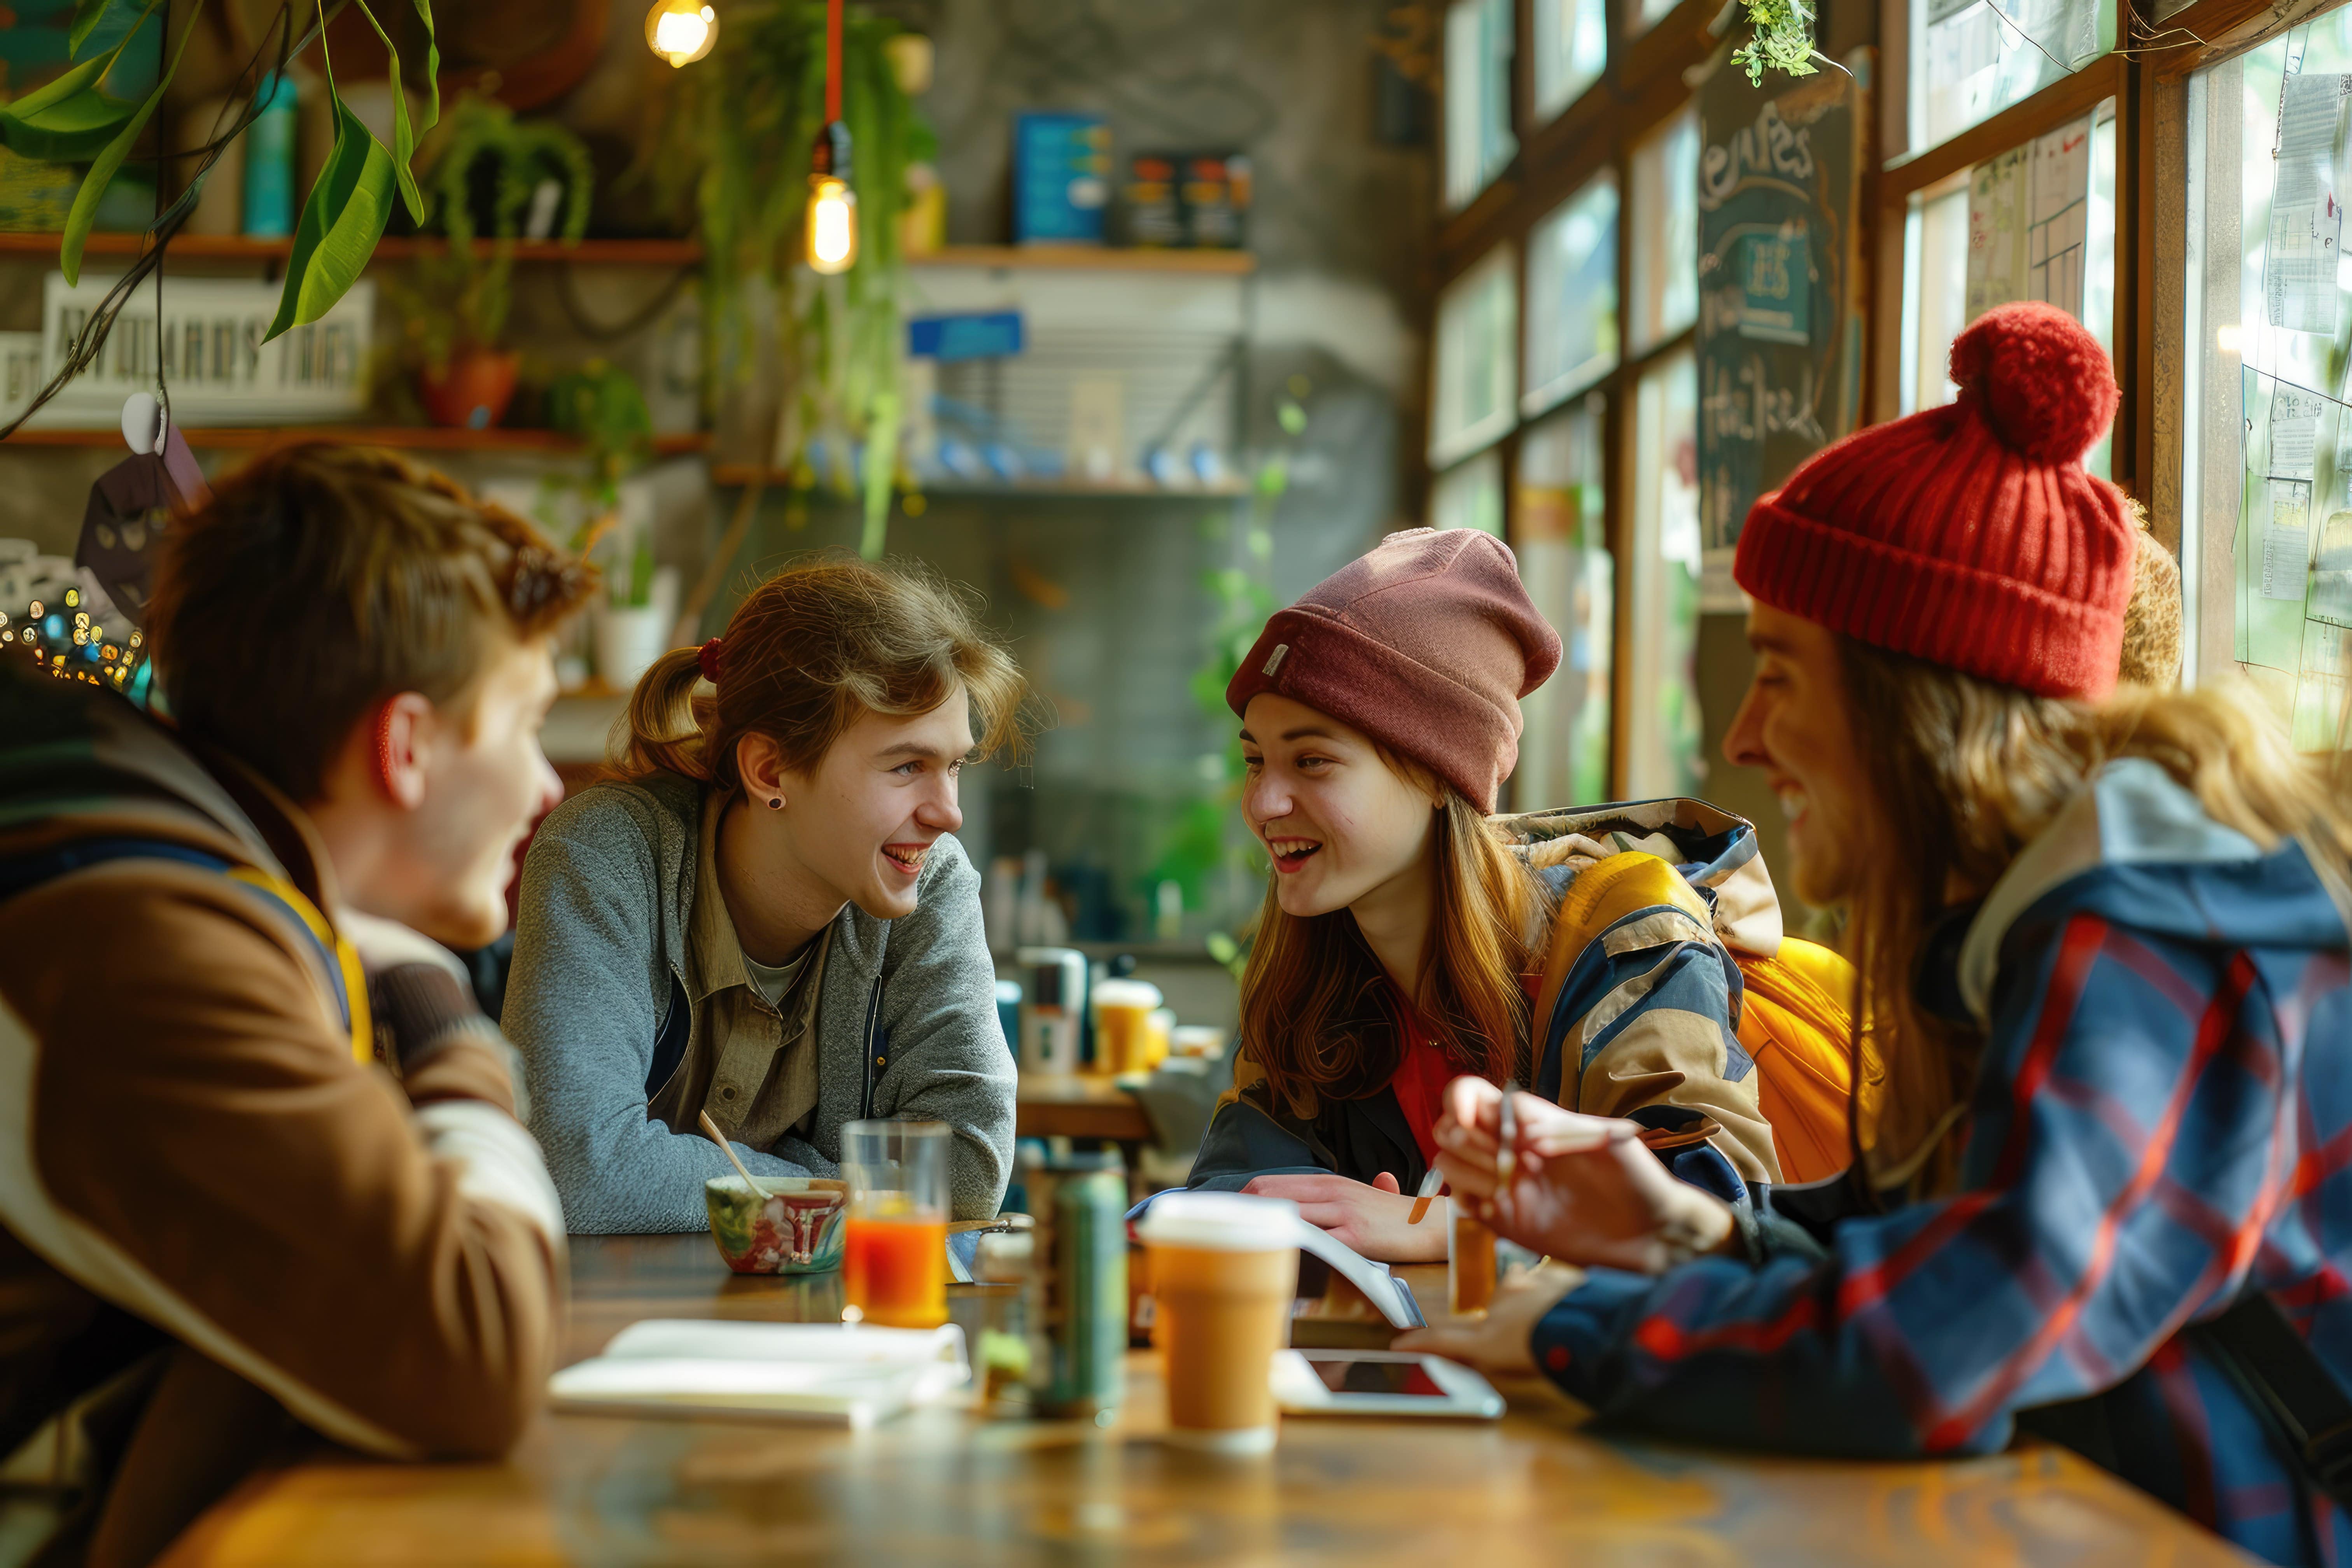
pixel 854 1375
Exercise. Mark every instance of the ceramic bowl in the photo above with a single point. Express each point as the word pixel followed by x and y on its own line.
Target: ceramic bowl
pixel 792 1225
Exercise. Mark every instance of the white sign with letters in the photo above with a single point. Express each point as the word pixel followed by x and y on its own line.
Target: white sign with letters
pixel 209 353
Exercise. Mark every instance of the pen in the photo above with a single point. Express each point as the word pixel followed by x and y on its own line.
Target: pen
pixel 1505 1153
pixel 1429 1185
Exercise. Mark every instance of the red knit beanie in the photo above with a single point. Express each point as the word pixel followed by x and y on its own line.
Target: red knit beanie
pixel 1968 535
pixel 1426 645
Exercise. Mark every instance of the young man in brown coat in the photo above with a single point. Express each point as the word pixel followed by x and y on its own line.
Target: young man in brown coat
pixel 259 1156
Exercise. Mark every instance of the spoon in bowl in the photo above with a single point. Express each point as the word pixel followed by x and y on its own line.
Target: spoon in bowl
pixel 710 1129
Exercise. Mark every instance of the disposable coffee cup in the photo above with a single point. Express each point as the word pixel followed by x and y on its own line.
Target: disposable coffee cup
pixel 1225 1271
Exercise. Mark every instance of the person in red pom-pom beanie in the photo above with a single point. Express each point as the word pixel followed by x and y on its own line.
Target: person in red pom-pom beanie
pixel 2101 1103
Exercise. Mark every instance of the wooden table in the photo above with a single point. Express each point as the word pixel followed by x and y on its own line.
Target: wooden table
pixel 1081 1105
pixel 942 1487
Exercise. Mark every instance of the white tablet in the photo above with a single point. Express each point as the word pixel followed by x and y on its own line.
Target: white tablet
pixel 1381 1382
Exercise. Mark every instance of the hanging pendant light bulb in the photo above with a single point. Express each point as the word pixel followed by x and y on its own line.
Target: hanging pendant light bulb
pixel 831 225
pixel 831 220
pixel 681 31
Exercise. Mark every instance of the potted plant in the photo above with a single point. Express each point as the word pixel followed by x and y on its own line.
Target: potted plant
pixel 453 309
pixel 604 407
pixel 521 177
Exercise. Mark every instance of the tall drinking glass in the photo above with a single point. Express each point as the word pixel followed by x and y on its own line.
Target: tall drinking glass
pixel 894 1265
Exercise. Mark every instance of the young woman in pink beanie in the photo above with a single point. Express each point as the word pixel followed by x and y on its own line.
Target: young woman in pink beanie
pixel 1405 932
pixel 2101 1183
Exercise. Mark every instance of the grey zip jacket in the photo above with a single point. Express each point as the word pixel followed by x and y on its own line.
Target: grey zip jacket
pixel 907 1024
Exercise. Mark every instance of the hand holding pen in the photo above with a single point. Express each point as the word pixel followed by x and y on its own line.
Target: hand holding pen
pixel 1576 1188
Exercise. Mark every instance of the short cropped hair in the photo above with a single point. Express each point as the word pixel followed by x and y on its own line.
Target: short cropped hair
pixel 321 580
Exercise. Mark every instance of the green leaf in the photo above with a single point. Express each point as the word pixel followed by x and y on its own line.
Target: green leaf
pixel 102 169
pixel 72 130
pixel 431 69
pixel 342 218
pixel 85 18
pixel 84 75
pixel 403 141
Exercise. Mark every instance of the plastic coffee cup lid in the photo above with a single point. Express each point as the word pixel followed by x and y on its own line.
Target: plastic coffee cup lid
pixel 1222 1222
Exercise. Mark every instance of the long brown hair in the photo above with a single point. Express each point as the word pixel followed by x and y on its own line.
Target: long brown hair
pixel 1965 774
pixel 810 651
pixel 1315 1015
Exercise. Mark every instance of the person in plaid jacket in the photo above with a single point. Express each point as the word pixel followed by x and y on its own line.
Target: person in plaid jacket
pixel 2107 1094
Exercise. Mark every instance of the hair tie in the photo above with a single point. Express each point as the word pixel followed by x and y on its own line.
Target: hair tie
pixel 709 660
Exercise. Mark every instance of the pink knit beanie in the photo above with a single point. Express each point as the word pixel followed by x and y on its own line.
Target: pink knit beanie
pixel 1426 645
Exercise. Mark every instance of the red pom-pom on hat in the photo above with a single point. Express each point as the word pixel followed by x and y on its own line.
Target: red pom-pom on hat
pixel 2040 380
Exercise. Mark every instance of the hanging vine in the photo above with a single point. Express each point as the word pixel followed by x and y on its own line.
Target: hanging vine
pixel 1782 40
pixel 743 121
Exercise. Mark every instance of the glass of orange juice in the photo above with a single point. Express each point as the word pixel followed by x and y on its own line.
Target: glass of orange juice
pixel 894 1263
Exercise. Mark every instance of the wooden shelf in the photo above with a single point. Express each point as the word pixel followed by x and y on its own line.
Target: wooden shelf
pixel 665 253
pixel 738 474
pixel 408 437
pixel 237 247
pixel 1091 257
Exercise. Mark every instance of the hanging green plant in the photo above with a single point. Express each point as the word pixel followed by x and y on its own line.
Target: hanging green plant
pixel 73 118
pixel 460 299
pixel 522 154
pixel 1782 41
pixel 743 121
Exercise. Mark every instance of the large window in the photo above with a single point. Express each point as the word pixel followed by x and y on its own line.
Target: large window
pixel 2266 512
pixel 1470 494
pixel 1972 58
pixel 1560 535
pixel 1572 295
pixel 1662 732
pixel 1477 372
pixel 1571 45
pixel 2037 222
pixel 1665 232
pixel 1478 140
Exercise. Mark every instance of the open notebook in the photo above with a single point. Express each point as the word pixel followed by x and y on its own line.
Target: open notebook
pixel 853 1374
pixel 1380 1287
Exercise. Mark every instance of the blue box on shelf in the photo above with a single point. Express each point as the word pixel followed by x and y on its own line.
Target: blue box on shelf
pixel 1061 178
pixel 978 335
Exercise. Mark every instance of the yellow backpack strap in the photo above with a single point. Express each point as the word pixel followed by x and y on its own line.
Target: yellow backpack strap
pixel 1602 894
pixel 335 951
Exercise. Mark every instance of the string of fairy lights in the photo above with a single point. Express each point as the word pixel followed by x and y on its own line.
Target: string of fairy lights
pixel 69 643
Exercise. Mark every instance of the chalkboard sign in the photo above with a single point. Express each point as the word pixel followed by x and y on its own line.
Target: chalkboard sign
pixel 1780 324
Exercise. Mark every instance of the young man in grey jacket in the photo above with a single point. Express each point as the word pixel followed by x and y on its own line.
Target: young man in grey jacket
pixel 769 920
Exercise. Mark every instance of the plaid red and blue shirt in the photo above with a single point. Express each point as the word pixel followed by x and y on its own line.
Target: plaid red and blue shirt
pixel 2162 1122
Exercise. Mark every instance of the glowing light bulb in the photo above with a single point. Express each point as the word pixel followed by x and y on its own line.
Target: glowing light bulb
pixel 832 224
pixel 681 31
